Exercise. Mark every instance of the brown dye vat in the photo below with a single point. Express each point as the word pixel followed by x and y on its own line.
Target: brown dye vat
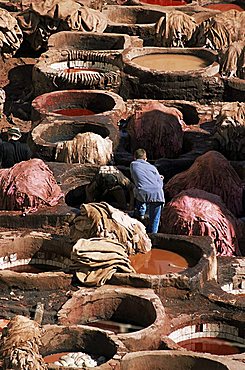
pixel 224 7
pixel 74 112
pixel 171 62
pixel 215 346
pixel 54 357
pixel 82 70
pixel 32 269
pixel 116 327
pixel 159 262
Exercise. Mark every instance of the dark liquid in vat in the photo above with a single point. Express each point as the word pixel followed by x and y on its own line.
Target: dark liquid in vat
pixel 170 62
pixel 74 112
pixel 54 357
pixel 32 269
pixel 116 327
pixel 215 346
pixel 159 262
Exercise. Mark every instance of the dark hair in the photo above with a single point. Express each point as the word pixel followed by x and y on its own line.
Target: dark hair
pixel 140 154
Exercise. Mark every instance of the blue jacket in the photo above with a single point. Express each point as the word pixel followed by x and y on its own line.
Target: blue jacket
pixel 148 182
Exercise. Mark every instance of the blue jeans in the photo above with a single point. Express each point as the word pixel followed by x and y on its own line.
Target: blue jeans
pixel 155 209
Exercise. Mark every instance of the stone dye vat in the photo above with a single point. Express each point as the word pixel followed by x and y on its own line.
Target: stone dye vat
pixel 190 77
pixel 118 309
pixel 95 104
pixel 34 260
pixel 110 42
pixel 133 20
pixel 88 347
pixel 212 335
pixel 236 89
pixel 168 360
pixel 75 69
pixel 186 263
pixel 70 141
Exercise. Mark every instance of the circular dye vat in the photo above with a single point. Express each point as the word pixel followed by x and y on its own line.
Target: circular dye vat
pixel 32 269
pixel 215 346
pixel 223 7
pixel 171 62
pixel 74 112
pixel 159 262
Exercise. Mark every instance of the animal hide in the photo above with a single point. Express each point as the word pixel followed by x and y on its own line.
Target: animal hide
pixel 175 29
pixel 213 173
pixel 158 129
pixel 85 148
pixel 11 35
pixel 49 16
pixel 230 130
pixel 95 260
pixel 197 212
pixel 232 60
pixel 20 345
pixel 104 221
pixel 27 186
pixel 220 30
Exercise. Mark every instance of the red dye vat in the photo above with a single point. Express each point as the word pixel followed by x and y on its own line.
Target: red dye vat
pixel 158 262
pixel 32 269
pixel 215 346
pixel 224 7
pixel 54 357
pixel 74 112
pixel 165 2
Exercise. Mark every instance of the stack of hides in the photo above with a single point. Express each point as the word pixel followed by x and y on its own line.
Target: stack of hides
pixel 213 173
pixel 10 34
pixel 20 345
pixel 27 186
pixel 196 212
pixel 97 259
pixel 49 16
pixel 85 148
pixel 158 129
pixel 104 221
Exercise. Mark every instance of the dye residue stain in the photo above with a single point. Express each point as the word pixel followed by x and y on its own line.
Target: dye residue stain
pixel 116 327
pixel 158 262
pixel 170 62
pixel 82 70
pixel 225 7
pixel 3 324
pixel 74 112
pixel 164 2
pixel 54 357
pixel 215 346
pixel 32 269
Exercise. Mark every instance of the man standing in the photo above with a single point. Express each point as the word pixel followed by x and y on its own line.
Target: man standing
pixel 148 189
pixel 13 151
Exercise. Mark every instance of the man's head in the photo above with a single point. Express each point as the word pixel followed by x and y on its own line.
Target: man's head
pixel 14 133
pixel 140 154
